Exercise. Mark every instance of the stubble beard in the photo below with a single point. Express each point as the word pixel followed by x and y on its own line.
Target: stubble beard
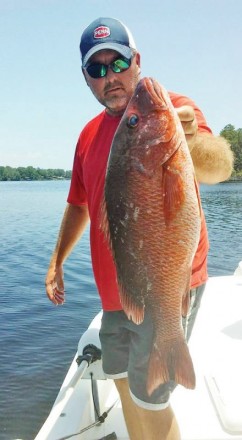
pixel 116 103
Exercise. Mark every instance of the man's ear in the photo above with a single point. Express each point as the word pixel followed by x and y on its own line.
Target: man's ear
pixel 138 62
pixel 138 59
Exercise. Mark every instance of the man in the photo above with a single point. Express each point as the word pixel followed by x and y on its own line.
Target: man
pixel 111 67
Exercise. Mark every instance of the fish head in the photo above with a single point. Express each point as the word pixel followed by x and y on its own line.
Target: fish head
pixel 148 128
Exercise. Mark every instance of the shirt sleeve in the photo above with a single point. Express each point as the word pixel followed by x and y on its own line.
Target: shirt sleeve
pixel 77 193
pixel 180 100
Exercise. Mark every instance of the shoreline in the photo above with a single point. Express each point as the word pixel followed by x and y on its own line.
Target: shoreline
pixel 234 180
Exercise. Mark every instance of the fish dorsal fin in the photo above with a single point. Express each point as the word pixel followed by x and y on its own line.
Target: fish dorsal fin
pixel 198 196
pixel 173 193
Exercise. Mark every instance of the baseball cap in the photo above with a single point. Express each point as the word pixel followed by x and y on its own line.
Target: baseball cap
pixel 106 33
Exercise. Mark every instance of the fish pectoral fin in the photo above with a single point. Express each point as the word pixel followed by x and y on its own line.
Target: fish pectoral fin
pixel 104 225
pixel 173 193
pixel 134 311
pixel 170 360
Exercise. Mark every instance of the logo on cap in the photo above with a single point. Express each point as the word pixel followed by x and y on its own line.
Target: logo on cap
pixel 101 32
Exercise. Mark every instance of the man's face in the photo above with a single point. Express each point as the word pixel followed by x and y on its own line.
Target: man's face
pixel 115 89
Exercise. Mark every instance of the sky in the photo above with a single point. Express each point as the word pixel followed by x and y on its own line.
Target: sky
pixel 192 47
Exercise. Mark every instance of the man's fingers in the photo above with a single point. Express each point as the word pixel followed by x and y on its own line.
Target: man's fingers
pixel 186 113
pixel 189 124
pixel 54 285
pixel 55 293
pixel 49 288
pixel 58 296
pixel 189 127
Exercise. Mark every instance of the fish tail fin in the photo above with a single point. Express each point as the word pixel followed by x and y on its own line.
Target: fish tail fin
pixel 170 360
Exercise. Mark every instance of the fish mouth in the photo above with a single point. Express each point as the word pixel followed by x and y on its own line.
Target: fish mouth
pixel 155 92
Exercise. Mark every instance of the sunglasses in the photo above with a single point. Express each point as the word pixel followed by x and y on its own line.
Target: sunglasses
pixel 97 70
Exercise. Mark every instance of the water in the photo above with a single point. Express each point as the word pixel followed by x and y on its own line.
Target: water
pixel 38 340
pixel 222 205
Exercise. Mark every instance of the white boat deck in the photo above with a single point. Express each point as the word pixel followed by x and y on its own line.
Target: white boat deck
pixel 213 411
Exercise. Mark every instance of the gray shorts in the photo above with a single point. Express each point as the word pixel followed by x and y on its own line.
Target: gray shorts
pixel 126 351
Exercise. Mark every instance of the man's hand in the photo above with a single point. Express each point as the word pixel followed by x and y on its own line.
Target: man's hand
pixel 54 284
pixel 73 224
pixel 189 124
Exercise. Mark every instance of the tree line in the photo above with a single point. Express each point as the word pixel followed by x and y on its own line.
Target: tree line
pixel 31 173
pixel 233 136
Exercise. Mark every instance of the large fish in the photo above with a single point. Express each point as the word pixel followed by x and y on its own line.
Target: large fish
pixel 151 213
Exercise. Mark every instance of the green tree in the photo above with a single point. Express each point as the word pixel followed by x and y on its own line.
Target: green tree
pixel 31 173
pixel 234 137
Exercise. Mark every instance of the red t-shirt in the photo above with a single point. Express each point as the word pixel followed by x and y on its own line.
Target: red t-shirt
pixel 87 187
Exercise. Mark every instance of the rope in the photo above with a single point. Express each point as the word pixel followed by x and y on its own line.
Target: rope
pixel 101 419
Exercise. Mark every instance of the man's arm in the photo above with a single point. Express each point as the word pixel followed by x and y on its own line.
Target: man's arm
pixel 212 156
pixel 73 225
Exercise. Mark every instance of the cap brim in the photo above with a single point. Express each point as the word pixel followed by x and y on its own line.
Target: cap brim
pixel 120 48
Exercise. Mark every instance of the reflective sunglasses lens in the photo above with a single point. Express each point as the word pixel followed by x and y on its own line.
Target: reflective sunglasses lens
pixel 97 70
pixel 100 70
pixel 120 65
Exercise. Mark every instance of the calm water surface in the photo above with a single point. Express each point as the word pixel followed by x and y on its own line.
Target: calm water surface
pixel 38 340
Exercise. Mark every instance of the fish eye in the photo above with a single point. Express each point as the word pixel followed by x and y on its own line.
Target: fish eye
pixel 133 121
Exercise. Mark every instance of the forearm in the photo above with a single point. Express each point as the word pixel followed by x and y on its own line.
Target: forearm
pixel 72 227
pixel 212 158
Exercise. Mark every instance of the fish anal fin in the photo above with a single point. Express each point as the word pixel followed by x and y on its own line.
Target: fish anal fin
pixel 170 360
pixel 173 193
pixel 186 300
pixel 134 311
